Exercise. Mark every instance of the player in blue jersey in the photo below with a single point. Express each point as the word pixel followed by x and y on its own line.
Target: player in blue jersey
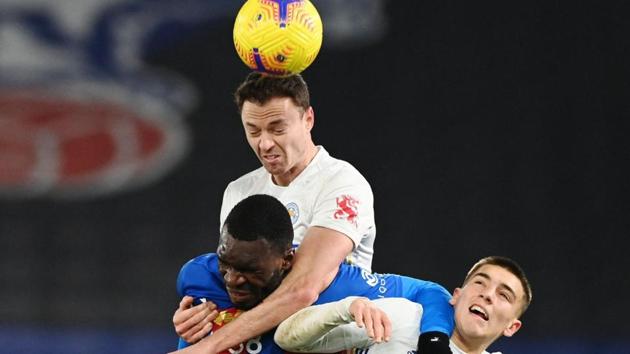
pixel 494 295
pixel 255 255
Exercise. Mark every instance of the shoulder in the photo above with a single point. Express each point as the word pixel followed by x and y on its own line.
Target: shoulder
pixel 350 280
pixel 199 275
pixel 250 183
pixel 338 171
pixel 351 275
pixel 248 179
pixel 202 263
pixel 200 278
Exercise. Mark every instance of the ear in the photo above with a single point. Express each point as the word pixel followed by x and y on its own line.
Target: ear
pixel 287 260
pixel 512 328
pixel 456 294
pixel 222 240
pixel 309 118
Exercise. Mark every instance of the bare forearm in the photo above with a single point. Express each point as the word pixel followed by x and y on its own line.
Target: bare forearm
pixel 263 317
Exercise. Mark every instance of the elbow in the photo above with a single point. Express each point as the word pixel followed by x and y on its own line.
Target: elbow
pixel 295 334
pixel 303 296
pixel 286 339
pixel 288 335
pixel 306 289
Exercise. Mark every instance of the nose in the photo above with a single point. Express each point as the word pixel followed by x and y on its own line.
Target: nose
pixel 487 295
pixel 266 142
pixel 233 278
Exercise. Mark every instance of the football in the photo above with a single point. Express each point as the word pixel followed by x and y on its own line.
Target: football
pixel 278 37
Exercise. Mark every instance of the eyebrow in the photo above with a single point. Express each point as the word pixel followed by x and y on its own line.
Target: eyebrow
pixel 501 285
pixel 246 267
pixel 276 122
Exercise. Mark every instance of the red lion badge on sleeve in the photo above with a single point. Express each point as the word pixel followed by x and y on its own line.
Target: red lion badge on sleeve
pixel 347 209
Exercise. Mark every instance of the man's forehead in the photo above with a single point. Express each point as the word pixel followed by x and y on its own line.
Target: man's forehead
pixel 276 104
pixel 500 275
pixel 245 251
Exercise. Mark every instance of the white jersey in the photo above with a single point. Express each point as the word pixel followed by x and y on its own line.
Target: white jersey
pixel 456 350
pixel 329 193
pixel 330 328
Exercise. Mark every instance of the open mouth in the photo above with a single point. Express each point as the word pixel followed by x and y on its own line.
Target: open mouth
pixel 271 157
pixel 238 295
pixel 478 311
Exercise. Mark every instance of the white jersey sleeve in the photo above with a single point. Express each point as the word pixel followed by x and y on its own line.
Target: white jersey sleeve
pixel 346 204
pixel 330 328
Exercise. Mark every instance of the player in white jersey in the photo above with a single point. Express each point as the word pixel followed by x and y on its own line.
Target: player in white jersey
pixel 330 202
pixel 329 193
pixel 494 295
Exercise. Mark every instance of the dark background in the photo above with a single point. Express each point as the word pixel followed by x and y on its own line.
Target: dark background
pixel 483 129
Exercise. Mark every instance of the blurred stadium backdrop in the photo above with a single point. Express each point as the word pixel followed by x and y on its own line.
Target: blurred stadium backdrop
pixel 483 129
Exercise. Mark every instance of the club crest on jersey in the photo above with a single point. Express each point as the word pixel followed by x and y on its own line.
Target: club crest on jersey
pixel 294 212
pixel 369 278
pixel 226 316
pixel 347 209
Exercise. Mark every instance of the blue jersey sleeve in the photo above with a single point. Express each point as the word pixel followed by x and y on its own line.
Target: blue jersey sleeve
pixel 352 280
pixel 182 344
pixel 437 312
pixel 200 278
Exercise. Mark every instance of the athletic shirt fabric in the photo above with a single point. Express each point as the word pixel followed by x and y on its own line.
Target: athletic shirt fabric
pixel 456 350
pixel 201 279
pixel 329 193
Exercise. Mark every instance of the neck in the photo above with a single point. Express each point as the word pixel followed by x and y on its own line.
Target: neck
pixel 469 346
pixel 287 178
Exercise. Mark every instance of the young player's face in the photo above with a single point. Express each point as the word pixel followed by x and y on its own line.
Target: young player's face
pixel 487 306
pixel 251 269
pixel 279 132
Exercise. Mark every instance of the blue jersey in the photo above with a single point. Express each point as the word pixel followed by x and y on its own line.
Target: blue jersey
pixel 200 278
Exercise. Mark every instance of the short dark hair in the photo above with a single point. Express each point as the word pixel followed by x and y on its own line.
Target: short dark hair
pixel 260 88
pixel 512 267
pixel 261 216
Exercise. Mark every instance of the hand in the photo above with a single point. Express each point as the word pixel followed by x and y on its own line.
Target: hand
pixel 192 323
pixel 434 343
pixel 375 320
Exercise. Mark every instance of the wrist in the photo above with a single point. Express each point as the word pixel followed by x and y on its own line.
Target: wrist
pixel 434 343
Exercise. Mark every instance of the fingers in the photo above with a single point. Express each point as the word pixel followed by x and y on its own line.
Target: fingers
pixel 186 302
pixel 387 327
pixel 194 322
pixel 183 313
pixel 375 321
pixel 368 320
pixel 358 316
pixel 201 329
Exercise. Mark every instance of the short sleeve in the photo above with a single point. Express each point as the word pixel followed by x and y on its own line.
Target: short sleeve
pixel 345 204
